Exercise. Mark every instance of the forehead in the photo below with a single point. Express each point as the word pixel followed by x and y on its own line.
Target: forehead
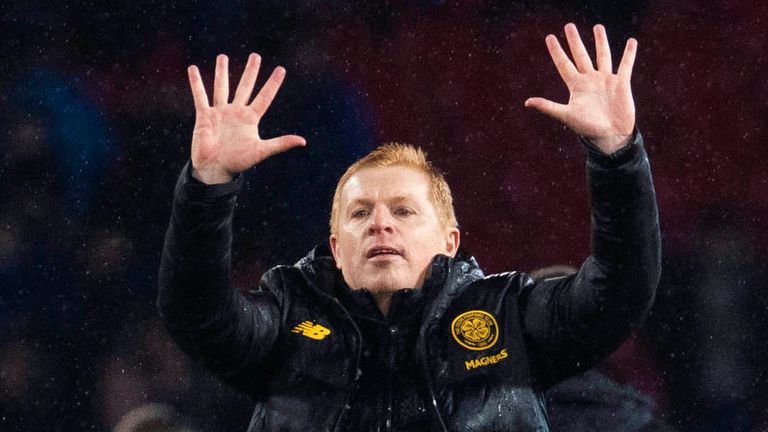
pixel 378 183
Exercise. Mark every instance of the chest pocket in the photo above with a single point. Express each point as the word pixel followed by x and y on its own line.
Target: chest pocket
pixel 480 366
pixel 479 342
pixel 316 350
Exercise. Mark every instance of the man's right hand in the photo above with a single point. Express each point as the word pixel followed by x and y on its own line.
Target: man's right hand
pixel 226 138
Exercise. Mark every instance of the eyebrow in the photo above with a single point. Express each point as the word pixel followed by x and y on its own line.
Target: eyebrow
pixel 364 201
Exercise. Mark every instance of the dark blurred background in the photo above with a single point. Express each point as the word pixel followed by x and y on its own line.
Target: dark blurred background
pixel 97 119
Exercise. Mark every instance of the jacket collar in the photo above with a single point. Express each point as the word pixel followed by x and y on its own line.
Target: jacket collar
pixel 447 276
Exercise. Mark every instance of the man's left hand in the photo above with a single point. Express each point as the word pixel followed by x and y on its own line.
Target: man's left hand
pixel 600 106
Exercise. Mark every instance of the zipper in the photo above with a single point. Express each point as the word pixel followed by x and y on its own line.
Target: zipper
pixel 358 372
pixel 392 331
pixel 424 333
pixel 428 378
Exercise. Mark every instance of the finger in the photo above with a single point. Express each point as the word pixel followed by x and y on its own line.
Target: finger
pixel 602 49
pixel 198 89
pixel 628 59
pixel 221 81
pixel 578 50
pixel 565 68
pixel 247 81
pixel 546 106
pixel 281 144
pixel 262 100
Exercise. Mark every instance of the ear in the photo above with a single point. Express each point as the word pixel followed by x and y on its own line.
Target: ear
pixel 453 240
pixel 335 249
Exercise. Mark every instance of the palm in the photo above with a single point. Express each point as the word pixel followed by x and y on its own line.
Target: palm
pixel 600 106
pixel 226 137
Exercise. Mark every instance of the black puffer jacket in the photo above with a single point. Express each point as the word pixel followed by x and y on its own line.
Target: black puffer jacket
pixel 483 347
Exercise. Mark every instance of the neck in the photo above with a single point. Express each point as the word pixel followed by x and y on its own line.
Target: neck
pixel 383 300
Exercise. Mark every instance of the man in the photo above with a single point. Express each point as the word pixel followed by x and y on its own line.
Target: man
pixel 391 326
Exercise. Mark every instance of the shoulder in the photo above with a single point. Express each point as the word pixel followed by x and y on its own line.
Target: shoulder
pixel 493 288
pixel 512 282
pixel 281 281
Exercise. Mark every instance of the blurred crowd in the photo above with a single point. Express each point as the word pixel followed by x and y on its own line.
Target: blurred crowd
pixel 98 120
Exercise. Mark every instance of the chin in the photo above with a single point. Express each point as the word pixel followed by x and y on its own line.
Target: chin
pixel 388 283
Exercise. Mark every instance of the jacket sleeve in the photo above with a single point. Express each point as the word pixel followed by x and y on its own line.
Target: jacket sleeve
pixel 573 322
pixel 230 331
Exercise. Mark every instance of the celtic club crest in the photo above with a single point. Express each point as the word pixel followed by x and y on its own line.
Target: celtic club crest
pixel 475 330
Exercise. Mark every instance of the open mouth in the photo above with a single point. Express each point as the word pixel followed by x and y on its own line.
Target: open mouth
pixel 382 251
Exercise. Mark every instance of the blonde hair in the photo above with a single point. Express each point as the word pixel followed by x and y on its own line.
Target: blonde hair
pixel 392 154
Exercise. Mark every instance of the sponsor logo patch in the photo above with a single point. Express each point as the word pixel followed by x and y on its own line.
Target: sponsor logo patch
pixel 311 330
pixel 475 330
pixel 486 360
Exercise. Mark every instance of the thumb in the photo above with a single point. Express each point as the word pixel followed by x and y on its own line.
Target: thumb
pixel 546 106
pixel 280 144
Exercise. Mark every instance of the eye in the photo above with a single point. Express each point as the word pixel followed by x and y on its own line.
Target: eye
pixel 359 213
pixel 404 211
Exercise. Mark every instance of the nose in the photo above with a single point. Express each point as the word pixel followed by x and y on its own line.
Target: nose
pixel 381 221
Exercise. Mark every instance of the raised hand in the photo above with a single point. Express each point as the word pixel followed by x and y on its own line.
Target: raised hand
pixel 226 138
pixel 600 106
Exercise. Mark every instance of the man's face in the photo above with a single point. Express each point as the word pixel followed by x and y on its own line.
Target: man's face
pixel 388 230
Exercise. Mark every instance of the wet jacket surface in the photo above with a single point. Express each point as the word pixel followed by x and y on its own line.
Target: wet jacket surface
pixel 466 352
pixel 592 402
